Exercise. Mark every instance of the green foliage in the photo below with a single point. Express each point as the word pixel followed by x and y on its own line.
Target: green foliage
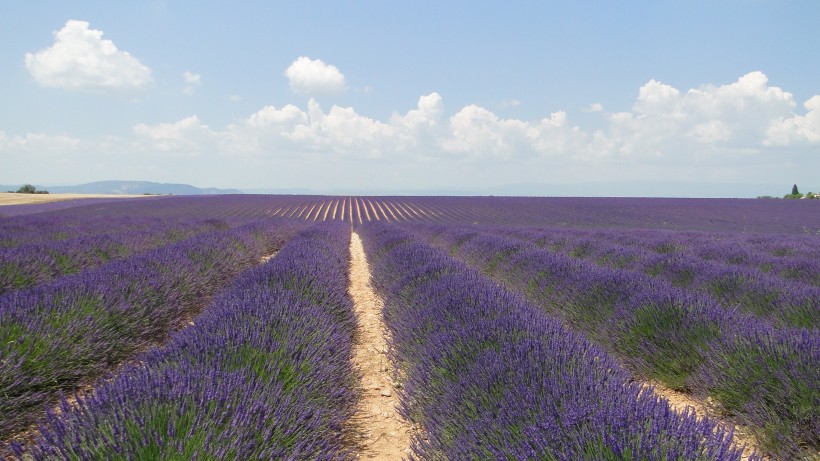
pixel 790 404
pixel 675 345
pixel 795 193
pixel 16 276
pixel 29 189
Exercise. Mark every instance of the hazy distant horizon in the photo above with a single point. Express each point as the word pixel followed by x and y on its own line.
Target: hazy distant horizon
pixel 602 189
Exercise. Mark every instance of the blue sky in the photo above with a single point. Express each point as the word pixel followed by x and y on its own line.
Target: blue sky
pixel 467 96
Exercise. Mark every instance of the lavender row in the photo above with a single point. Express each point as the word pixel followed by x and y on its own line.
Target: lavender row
pixel 754 250
pixel 711 215
pixel 491 377
pixel 793 258
pixel 263 374
pixel 797 217
pixel 26 265
pixel 48 228
pixel 762 376
pixel 224 207
pixel 57 335
pixel 784 302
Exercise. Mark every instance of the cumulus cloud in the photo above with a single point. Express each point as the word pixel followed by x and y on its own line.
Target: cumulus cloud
pixel 478 132
pixel 423 122
pixel 797 129
pixel 668 123
pixel 192 80
pixel 656 98
pixel 713 132
pixel 271 116
pixel 341 130
pixel 665 124
pixel 80 58
pixel 188 135
pixel 313 76
pixel 472 133
pixel 269 128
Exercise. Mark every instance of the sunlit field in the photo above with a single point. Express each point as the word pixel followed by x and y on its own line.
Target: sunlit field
pixel 225 327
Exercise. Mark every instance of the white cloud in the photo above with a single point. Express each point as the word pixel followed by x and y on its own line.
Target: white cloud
pixel 655 98
pixel 34 142
pixel 80 58
pixel 427 115
pixel 192 80
pixel 188 135
pixel 343 131
pixel 340 131
pixel 727 132
pixel 746 106
pixel 710 132
pixel 313 76
pixel 797 129
pixel 477 132
pixel 270 116
pixel 666 123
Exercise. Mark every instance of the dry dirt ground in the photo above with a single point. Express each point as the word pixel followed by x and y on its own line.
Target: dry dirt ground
pixel 679 402
pixel 7 198
pixel 386 434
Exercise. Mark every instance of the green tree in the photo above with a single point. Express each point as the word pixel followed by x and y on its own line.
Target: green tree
pixel 794 190
pixel 27 189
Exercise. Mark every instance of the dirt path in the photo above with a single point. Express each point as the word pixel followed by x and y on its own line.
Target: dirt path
pixel 363 204
pixel 358 212
pixel 679 402
pixel 386 433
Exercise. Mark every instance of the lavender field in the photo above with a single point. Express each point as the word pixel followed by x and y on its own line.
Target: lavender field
pixel 222 327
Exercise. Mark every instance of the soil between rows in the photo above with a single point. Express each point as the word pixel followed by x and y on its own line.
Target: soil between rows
pixel 386 434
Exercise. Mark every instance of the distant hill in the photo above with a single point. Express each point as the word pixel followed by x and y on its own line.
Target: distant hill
pixel 130 187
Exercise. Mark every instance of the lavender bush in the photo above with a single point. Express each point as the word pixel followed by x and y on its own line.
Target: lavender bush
pixel 783 292
pixel 682 338
pixel 54 336
pixel 263 374
pixel 54 228
pixel 491 377
pixel 26 265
